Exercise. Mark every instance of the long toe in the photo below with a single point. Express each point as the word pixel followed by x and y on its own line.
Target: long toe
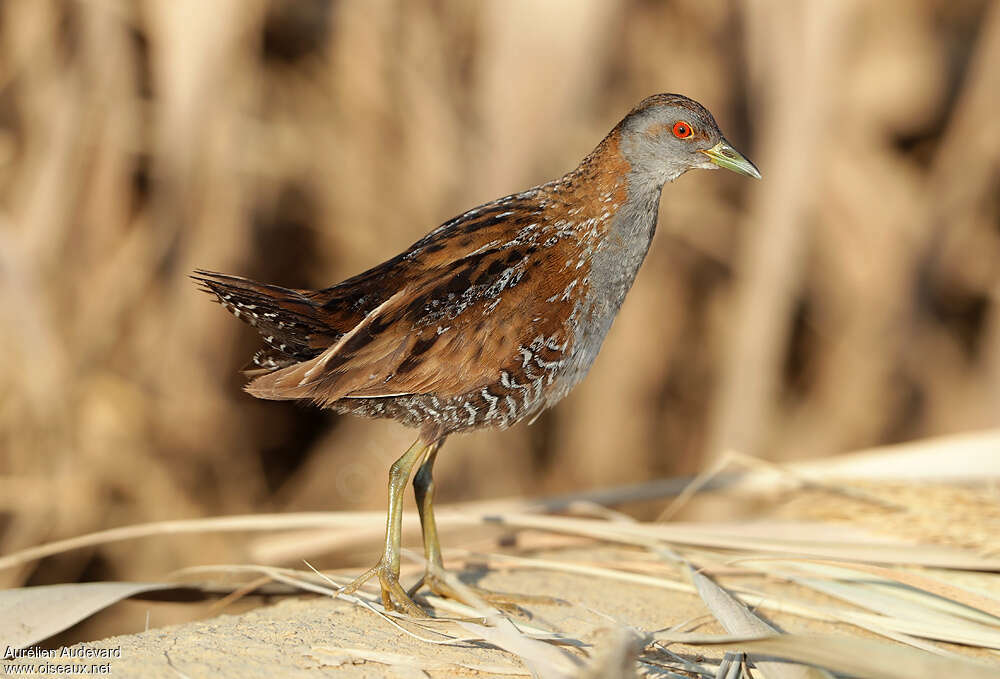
pixel 394 598
pixel 359 582
pixel 445 584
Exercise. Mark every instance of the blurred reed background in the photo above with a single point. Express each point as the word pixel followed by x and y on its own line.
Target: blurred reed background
pixel 849 299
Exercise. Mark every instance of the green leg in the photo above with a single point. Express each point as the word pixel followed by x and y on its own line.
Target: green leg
pixel 387 569
pixel 423 490
pixel 435 578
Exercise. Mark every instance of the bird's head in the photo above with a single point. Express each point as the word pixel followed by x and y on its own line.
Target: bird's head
pixel 668 134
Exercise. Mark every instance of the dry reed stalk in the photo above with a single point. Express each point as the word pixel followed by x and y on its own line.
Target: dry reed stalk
pixel 802 74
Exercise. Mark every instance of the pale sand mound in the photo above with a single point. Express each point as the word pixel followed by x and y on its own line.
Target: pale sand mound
pixel 302 637
pixel 318 636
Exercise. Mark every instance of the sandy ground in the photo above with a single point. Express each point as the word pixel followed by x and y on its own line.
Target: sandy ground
pixel 306 637
pixel 288 639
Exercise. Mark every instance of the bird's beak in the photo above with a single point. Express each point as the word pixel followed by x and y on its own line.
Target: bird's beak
pixel 724 155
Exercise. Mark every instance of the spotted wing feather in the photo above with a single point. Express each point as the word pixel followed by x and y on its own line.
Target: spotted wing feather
pixel 452 332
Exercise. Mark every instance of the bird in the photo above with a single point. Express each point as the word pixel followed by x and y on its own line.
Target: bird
pixel 485 322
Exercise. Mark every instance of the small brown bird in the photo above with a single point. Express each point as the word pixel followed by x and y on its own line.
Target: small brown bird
pixel 487 320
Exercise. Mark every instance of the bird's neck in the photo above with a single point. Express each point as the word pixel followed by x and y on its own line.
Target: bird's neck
pixel 607 183
pixel 623 204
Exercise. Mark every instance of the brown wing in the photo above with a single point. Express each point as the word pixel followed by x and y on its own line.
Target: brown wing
pixel 345 304
pixel 298 325
pixel 448 333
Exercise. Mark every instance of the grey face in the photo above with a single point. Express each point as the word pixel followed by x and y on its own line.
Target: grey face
pixel 668 134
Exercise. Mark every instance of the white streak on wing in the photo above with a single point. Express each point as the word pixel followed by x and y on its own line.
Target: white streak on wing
pixel 323 359
pixel 489 246
pixel 511 406
pixel 492 400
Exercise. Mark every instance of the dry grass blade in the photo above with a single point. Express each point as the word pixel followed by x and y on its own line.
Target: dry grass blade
pixel 738 619
pixel 890 628
pixel 892 602
pixel 698 483
pixel 755 599
pixel 967 635
pixel 862 658
pixel 918 614
pixel 544 660
pixel 933 586
pixel 249 522
pixel 959 605
pixel 968 457
pixel 509 561
pixel 735 536
pixel 31 614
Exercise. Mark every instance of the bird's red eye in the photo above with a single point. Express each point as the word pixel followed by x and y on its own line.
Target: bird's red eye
pixel 682 130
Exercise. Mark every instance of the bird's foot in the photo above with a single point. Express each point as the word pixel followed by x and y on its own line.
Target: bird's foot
pixel 439 581
pixel 394 598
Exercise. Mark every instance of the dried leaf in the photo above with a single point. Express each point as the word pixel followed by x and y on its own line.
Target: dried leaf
pixel 32 614
pixel 738 619
pixel 863 658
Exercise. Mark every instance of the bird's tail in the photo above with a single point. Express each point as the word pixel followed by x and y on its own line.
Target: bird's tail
pixel 289 323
